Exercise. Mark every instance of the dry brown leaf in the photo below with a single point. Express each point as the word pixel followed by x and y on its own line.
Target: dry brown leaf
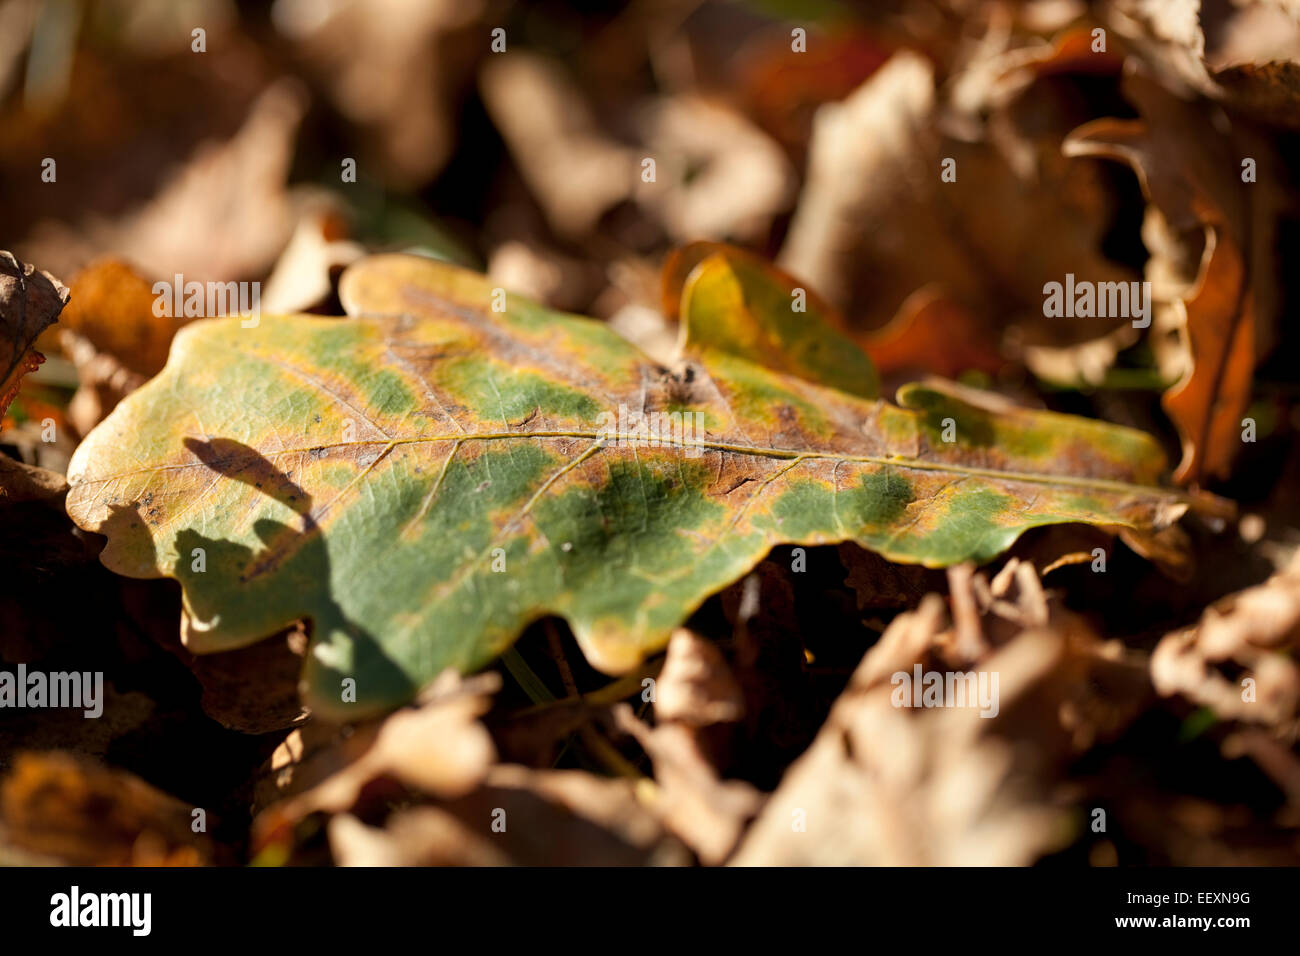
pixel 696 686
pixel 518 817
pixel 73 810
pixel 1251 636
pixel 26 483
pixel 931 333
pixel 306 274
pixel 717 176
pixel 1208 404
pixel 68 729
pixel 112 308
pixel 393 67
pixel 880 584
pixel 30 301
pixel 1245 55
pixel 574 171
pixel 1212 246
pixel 470 813
pixel 884 784
pixel 849 189
pixel 874 196
pixel 1170 549
pixel 455 808
pixel 707 813
pixel 224 216
pixel 413 836
pixel 308 755
pixel 113 337
pixel 437 747
pixel 102 382
pixel 253 689
pixel 694 693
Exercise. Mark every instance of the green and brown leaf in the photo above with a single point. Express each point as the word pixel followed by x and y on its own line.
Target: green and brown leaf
pixel 424 479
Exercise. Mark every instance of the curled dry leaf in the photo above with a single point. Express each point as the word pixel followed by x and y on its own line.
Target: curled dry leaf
pixel 700 169
pixel 1213 254
pixel 694 692
pixel 1239 659
pixel 730 300
pixel 457 441
pixel 102 382
pixel 836 209
pixel 707 813
pixel 879 584
pixel 1208 404
pixel 882 785
pixel 30 301
pixel 306 756
pixel 306 272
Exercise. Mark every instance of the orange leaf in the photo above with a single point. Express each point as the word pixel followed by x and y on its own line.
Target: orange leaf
pixel 1208 403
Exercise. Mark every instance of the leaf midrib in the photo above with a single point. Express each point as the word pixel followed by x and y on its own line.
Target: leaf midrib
pixel 632 439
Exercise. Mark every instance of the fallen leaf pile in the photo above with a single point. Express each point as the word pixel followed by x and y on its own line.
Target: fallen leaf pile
pixel 649 440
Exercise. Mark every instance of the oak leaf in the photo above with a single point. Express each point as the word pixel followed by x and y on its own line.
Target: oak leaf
pixel 426 479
